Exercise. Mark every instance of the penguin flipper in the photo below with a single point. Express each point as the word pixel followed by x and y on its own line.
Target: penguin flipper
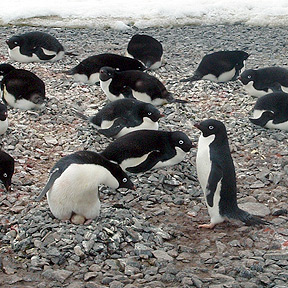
pixel 214 178
pixel 276 87
pixel 127 92
pixel 146 165
pixel 195 77
pixel 117 126
pixel 55 174
pixel 265 117
pixel 41 55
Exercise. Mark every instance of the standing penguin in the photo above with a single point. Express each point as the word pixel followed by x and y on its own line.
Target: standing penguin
pixel 126 115
pixel 87 71
pixel 143 150
pixel 265 80
pixel 6 169
pixel 21 88
pixel 221 66
pixel 271 111
pixel 72 188
pixel 3 119
pixel 216 174
pixel 134 84
pixel 34 47
pixel 146 49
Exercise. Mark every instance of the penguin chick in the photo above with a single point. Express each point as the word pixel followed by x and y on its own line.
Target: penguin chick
pixel 72 188
pixel 21 88
pixel 6 169
pixel 3 119
pixel 87 71
pixel 34 47
pixel 146 49
pixel 216 174
pixel 134 84
pixel 221 66
pixel 126 115
pixel 142 150
pixel 271 111
pixel 263 81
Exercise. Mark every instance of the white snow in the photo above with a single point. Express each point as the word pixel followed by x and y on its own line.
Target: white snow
pixel 122 14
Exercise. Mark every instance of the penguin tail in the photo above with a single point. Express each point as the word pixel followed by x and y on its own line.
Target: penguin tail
pixel 171 99
pixel 80 115
pixel 70 53
pixel 247 218
pixel 195 77
pixel 69 72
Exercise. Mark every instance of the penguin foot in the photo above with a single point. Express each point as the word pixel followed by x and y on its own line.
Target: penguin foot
pixel 207 226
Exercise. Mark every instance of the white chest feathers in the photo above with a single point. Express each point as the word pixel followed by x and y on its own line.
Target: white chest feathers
pixel 92 79
pixel 224 77
pixel 3 126
pixel 105 87
pixel 17 56
pixel 76 191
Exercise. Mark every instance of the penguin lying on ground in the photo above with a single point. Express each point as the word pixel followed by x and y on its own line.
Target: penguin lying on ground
pixel 265 80
pixel 216 174
pixel 221 66
pixel 34 47
pixel 72 188
pixel 134 84
pixel 3 119
pixel 271 111
pixel 143 150
pixel 146 49
pixel 21 88
pixel 6 169
pixel 87 71
pixel 126 115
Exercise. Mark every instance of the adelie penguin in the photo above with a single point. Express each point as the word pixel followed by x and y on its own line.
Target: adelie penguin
pixel 143 150
pixel 6 169
pixel 126 115
pixel 216 174
pixel 134 84
pixel 263 81
pixel 221 66
pixel 34 47
pixel 146 49
pixel 87 71
pixel 72 188
pixel 21 88
pixel 271 111
pixel 3 119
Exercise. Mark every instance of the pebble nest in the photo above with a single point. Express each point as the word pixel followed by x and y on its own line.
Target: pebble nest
pixel 148 237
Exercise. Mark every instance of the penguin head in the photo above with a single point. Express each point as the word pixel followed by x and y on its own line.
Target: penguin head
pixel 5 69
pixel 150 111
pixel 212 127
pixel 14 41
pixel 247 76
pixel 106 73
pixel 3 112
pixel 121 177
pixel 242 56
pixel 181 140
pixel 6 169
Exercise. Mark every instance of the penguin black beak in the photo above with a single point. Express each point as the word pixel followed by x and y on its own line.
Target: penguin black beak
pixel 197 125
pixel 239 78
pixel 134 188
pixel 161 115
pixel 8 188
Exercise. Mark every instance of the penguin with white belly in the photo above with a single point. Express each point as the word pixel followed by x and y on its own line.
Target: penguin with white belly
pixel 6 169
pixel 87 71
pixel 143 150
pixel 34 46
pixel 21 88
pixel 72 188
pixel 126 115
pixel 259 82
pixel 216 174
pixel 221 66
pixel 134 84
pixel 271 111
pixel 3 119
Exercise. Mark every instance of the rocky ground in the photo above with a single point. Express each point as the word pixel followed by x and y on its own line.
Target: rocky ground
pixel 148 237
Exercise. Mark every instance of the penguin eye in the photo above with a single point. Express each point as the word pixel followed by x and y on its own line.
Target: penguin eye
pixel 249 76
pixel 149 113
pixel 124 180
pixel 211 127
pixel 5 175
pixel 181 142
pixel 16 42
